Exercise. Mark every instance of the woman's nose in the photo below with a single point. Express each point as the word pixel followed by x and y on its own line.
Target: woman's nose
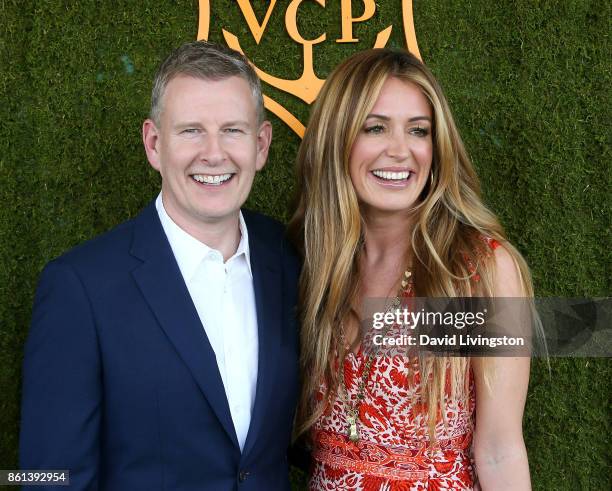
pixel 398 147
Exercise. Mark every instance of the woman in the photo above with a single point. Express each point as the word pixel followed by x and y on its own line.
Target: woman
pixel 390 203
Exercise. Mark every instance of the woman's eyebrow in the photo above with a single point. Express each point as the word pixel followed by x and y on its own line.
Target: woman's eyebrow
pixel 387 118
pixel 420 118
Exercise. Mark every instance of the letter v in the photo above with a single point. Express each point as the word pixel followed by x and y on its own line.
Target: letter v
pixel 256 28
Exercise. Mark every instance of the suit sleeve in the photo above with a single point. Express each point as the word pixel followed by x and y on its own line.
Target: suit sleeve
pixel 62 387
pixel 298 453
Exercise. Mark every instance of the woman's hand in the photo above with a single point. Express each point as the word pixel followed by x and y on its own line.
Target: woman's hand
pixel 499 449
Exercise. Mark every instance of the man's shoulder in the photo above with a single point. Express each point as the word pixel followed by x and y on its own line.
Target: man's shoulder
pixel 266 230
pixel 263 225
pixel 105 251
pixel 271 233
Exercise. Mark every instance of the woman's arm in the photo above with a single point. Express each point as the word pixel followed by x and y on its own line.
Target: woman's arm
pixel 499 449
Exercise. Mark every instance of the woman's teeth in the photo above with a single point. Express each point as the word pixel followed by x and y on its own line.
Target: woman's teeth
pixel 392 176
pixel 209 179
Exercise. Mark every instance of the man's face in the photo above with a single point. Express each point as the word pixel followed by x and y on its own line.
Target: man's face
pixel 207 148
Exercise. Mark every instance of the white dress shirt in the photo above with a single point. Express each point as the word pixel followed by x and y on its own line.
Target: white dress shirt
pixel 224 298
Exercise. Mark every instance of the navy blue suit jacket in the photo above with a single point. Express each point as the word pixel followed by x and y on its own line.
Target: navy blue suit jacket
pixel 121 385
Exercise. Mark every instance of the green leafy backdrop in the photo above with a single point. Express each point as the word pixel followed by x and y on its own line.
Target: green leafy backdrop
pixel 528 82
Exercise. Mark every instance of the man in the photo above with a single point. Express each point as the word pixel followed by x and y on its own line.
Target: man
pixel 163 354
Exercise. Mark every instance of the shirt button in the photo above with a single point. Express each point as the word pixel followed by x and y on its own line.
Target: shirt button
pixel 243 475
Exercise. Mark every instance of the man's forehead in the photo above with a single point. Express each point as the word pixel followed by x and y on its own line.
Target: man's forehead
pixel 230 98
pixel 233 85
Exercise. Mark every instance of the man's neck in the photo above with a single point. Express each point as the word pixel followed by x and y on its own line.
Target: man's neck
pixel 221 234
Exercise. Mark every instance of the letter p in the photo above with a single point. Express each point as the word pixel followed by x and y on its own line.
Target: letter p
pixel 348 20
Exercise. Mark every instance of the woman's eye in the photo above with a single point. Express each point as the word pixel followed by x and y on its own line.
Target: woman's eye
pixel 419 131
pixel 374 129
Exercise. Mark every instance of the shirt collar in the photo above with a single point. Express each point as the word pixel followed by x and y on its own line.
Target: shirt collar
pixel 189 251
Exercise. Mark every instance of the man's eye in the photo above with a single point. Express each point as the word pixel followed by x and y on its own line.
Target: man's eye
pixel 190 131
pixel 233 130
pixel 374 129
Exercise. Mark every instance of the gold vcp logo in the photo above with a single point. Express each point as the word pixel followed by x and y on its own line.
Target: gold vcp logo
pixel 307 86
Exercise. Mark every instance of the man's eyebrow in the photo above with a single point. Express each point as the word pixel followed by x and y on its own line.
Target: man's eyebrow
pixel 236 122
pixel 387 118
pixel 196 124
pixel 187 124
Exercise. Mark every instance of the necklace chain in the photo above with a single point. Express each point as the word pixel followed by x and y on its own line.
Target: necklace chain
pixel 352 410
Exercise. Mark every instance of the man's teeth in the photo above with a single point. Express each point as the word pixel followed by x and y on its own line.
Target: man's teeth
pixel 208 179
pixel 391 176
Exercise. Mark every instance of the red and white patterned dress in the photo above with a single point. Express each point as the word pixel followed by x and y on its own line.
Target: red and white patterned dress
pixel 393 452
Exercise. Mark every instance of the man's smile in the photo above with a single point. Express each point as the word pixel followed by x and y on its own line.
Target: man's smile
pixel 212 179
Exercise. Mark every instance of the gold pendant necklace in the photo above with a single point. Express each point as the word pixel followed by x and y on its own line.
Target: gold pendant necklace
pixel 352 410
pixel 351 418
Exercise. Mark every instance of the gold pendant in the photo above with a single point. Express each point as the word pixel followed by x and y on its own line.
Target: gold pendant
pixel 353 434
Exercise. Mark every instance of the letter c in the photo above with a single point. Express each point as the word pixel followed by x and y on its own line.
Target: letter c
pixel 291 23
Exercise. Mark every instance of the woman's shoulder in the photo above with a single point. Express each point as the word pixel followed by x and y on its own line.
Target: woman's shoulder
pixel 479 253
pixel 493 255
pixel 499 254
pixel 491 243
pixel 501 261
pixel 508 277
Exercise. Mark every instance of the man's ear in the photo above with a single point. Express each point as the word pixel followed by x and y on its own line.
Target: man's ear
pixel 264 138
pixel 150 139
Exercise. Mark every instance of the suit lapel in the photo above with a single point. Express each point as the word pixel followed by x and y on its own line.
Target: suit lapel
pixel 265 265
pixel 164 289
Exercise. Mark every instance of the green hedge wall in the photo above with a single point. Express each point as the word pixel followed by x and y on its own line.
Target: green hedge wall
pixel 528 82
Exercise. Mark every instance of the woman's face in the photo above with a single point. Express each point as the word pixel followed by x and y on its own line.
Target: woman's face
pixel 391 157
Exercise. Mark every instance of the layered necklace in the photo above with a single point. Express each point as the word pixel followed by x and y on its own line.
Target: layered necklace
pixel 352 409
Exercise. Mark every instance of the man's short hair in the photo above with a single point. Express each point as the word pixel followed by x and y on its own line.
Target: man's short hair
pixel 207 61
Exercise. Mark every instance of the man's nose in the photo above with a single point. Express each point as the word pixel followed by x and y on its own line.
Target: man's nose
pixel 211 150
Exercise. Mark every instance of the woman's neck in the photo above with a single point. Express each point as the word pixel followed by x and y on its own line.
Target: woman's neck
pixel 387 238
pixel 386 254
pixel 385 257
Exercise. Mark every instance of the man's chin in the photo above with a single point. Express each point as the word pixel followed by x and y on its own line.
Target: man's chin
pixel 216 216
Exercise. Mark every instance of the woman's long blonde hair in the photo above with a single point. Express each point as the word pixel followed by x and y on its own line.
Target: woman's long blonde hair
pixel 327 226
